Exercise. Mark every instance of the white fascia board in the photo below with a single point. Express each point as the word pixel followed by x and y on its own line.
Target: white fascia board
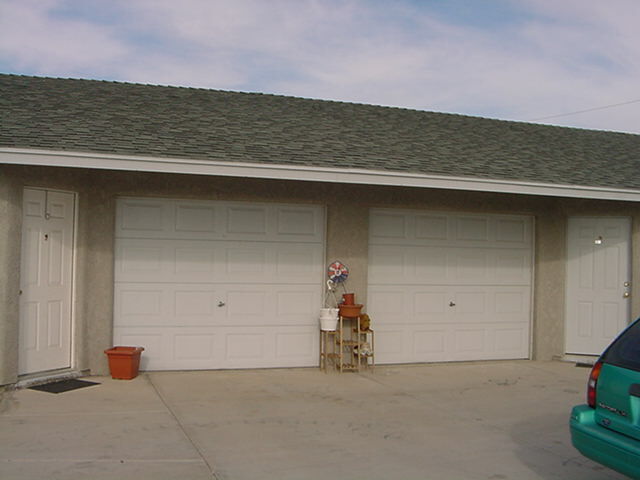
pixel 304 173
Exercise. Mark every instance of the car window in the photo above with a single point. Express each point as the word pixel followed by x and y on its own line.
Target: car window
pixel 625 350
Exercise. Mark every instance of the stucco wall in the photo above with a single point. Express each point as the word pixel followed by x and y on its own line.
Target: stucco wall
pixel 347 210
pixel 10 238
pixel 549 285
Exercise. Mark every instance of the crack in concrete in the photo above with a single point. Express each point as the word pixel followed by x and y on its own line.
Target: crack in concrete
pixel 184 430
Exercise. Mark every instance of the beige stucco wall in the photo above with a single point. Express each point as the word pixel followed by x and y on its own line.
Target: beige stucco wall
pixel 347 210
pixel 10 238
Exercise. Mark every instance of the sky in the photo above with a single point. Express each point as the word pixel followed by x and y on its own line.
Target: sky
pixel 562 62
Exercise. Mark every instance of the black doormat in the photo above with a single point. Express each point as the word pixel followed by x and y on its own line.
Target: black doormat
pixel 63 385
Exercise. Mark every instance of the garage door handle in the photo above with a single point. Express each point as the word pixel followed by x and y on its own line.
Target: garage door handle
pixel 221 304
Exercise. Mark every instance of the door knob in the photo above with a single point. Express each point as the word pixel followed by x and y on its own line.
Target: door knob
pixel 221 304
pixel 626 295
pixel 452 304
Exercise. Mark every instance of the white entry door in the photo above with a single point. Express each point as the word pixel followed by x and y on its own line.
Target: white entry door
pixel 45 281
pixel 449 287
pixel 598 282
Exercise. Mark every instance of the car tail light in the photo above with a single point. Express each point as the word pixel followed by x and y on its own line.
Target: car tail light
pixel 593 383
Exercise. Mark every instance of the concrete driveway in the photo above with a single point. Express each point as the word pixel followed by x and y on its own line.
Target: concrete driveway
pixel 493 420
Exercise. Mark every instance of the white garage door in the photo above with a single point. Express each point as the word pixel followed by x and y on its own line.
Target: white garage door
pixel 205 285
pixel 446 287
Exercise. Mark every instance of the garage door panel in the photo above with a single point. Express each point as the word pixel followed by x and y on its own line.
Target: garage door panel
pixel 429 345
pixel 247 221
pixel 470 342
pixel 463 297
pixel 299 224
pixel 432 227
pixel 213 347
pixel 297 302
pixel 452 265
pixel 274 304
pixel 153 260
pixel 512 303
pixel 138 304
pixel 204 284
pixel 448 342
pixel 191 218
pixel 157 260
pixel 430 265
pixel 193 347
pixel 201 304
pixel 470 306
pixel 387 226
pixel 266 263
pixel 139 260
pixel 489 266
pixel 206 220
pixel 511 340
pixel 389 304
pixel 390 262
pixel 194 261
pixel 295 346
pixel 474 228
pixel 408 227
pixel 195 304
pixel 471 266
pixel 142 218
pixel 430 303
pixel 245 346
pixel 391 345
pixel 245 305
pixel 299 263
pixel 513 266
pixel 513 231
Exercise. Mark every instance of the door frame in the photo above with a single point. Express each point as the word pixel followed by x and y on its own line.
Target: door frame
pixel 629 242
pixel 73 284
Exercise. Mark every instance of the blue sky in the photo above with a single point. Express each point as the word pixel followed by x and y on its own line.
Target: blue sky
pixel 510 59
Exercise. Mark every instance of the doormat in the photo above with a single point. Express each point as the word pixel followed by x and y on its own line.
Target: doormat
pixel 63 385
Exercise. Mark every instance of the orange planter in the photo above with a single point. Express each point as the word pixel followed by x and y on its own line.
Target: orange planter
pixel 124 362
pixel 348 298
pixel 350 311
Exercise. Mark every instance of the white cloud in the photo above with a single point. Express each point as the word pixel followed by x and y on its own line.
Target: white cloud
pixel 36 41
pixel 561 57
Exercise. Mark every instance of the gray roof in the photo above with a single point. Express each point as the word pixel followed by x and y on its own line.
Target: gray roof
pixel 132 119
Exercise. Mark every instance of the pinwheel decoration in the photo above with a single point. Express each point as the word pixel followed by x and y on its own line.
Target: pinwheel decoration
pixel 338 272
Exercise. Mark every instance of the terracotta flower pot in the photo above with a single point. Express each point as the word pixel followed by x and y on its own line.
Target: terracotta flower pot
pixel 349 298
pixel 350 310
pixel 124 362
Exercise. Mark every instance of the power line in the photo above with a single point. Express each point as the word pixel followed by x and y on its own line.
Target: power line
pixel 584 111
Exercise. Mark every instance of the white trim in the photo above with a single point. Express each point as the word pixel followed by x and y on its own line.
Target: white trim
pixel 19 156
pixel 532 294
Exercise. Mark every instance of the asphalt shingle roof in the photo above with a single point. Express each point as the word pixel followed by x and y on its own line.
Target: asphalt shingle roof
pixel 132 119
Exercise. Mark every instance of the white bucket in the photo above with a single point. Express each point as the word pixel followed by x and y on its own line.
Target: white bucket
pixel 328 319
pixel 329 313
pixel 328 324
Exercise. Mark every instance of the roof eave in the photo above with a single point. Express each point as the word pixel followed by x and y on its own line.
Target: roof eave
pixel 35 157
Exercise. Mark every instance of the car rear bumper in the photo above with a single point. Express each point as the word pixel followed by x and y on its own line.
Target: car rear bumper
pixel 607 447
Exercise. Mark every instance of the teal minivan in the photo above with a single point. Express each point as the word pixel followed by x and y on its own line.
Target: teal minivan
pixel 607 429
